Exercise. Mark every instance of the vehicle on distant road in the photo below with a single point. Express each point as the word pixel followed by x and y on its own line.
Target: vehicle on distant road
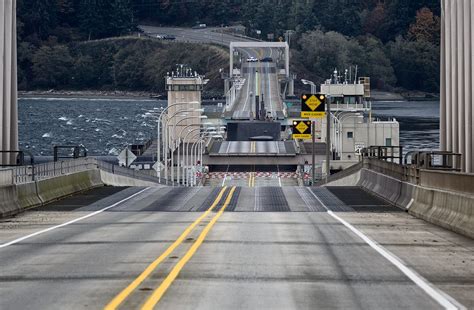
pixel 266 59
pixel 200 26
pixel 169 37
pixel 252 59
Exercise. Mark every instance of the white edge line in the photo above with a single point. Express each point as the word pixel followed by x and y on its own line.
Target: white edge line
pixel 440 297
pixel 4 245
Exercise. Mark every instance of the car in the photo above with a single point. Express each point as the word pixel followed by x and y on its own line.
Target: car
pixel 266 59
pixel 252 59
pixel 169 37
pixel 200 26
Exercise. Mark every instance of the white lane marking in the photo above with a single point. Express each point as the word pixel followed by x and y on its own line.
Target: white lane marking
pixel 4 245
pixel 439 296
pixel 278 169
pixel 249 83
pixel 270 97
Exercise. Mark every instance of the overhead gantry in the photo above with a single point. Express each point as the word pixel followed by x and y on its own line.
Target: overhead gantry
pixel 280 45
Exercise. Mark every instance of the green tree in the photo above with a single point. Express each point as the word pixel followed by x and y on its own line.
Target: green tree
pixel 40 16
pixel 52 66
pixel 416 64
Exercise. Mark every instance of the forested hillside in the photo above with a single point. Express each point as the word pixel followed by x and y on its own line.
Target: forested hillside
pixel 396 42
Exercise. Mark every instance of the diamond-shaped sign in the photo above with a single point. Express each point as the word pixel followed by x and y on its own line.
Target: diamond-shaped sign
pixel 313 105
pixel 158 166
pixel 302 127
pixel 126 157
pixel 313 102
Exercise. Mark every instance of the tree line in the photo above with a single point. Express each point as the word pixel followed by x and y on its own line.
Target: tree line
pixel 396 42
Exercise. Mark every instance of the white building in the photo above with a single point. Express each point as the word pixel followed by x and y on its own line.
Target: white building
pixel 352 125
pixel 184 88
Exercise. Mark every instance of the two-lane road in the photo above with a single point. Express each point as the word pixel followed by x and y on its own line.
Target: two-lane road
pixel 237 248
pixel 260 79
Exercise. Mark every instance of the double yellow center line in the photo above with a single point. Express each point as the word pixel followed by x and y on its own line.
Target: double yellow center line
pixel 251 179
pixel 159 292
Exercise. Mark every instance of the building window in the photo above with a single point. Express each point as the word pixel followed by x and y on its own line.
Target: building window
pixel 350 135
pixel 388 141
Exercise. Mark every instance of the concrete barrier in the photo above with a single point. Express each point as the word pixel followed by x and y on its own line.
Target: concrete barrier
pixel 111 179
pixel 407 192
pixel 350 180
pixel 442 198
pixel 28 195
pixel 451 210
pixel 388 188
pixel 8 201
pixel 6 177
pixel 58 187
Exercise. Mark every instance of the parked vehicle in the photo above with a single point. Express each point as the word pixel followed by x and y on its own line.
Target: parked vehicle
pixel 252 59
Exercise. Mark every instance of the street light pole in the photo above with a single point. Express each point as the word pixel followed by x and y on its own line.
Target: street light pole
pixel 328 138
pixel 178 139
pixel 167 141
pixel 186 143
pixel 313 86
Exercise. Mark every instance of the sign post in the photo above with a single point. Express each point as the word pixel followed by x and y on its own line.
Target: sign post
pixel 314 106
pixel 328 142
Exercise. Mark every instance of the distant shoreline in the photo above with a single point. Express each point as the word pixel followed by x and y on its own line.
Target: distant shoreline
pixel 376 95
pixel 90 94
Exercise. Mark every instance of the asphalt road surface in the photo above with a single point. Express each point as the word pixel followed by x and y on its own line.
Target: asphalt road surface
pixel 260 79
pixel 207 35
pixel 230 248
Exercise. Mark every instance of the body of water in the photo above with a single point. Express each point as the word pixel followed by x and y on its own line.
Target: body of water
pixel 419 122
pixel 105 126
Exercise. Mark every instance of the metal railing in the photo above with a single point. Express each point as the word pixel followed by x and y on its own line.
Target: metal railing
pixel 31 173
pixel 126 172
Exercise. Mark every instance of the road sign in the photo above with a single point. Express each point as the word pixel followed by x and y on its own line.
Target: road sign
pixel 158 166
pixel 313 105
pixel 126 157
pixel 359 146
pixel 301 129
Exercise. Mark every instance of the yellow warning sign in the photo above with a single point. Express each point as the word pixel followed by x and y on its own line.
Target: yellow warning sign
pixel 302 130
pixel 302 127
pixel 313 105
pixel 313 102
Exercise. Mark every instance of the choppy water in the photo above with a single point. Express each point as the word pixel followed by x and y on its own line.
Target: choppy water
pixel 105 126
pixel 419 122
